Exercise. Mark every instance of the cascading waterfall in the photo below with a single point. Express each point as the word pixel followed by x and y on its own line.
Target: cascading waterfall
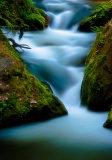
pixel 57 57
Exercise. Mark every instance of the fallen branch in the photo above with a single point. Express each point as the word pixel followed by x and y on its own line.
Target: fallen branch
pixel 14 44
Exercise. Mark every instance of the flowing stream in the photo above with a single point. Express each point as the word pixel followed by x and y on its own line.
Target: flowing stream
pixel 57 56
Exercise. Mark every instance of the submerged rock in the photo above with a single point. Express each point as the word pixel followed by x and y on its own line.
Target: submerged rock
pixel 23 98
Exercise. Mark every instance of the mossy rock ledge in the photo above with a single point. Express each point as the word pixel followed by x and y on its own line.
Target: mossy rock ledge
pixel 22 15
pixel 23 98
pixel 101 15
pixel 96 90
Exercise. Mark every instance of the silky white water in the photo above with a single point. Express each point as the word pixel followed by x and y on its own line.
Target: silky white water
pixel 57 56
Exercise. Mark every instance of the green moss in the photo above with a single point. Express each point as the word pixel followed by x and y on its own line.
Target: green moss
pixel 102 14
pixel 97 82
pixel 23 98
pixel 108 123
pixel 21 15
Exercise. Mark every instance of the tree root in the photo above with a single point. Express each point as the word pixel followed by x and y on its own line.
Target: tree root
pixel 14 44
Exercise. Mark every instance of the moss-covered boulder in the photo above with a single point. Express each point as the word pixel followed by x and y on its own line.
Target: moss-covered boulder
pixel 96 91
pixel 21 15
pixel 97 83
pixel 23 98
pixel 108 123
pixel 102 14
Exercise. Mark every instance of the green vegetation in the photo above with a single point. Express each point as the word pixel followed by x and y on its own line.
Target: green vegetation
pixel 23 98
pixel 108 123
pixel 102 14
pixel 21 15
pixel 96 86
pixel 96 90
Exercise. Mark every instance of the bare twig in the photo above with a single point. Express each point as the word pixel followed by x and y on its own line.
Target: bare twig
pixel 14 44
